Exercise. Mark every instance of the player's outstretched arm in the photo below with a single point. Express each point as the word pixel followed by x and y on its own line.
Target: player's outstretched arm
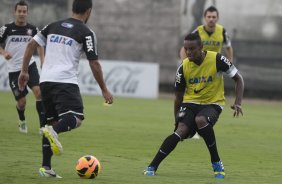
pixel 98 75
pixel 178 98
pixel 40 51
pixel 229 53
pixel 24 77
pixel 239 90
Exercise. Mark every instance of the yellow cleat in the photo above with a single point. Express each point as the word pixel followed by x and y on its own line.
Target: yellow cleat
pixel 52 137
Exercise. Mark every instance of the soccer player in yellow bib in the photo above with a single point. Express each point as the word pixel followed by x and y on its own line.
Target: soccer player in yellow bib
pixel 199 100
pixel 213 35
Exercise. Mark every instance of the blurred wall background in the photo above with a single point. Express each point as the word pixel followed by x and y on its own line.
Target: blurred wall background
pixel 153 31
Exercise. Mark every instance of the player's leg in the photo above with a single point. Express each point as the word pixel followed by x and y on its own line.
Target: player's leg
pixel 47 143
pixel 39 106
pixel 166 148
pixel 67 104
pixel 185 115
pixel 21 104
pixel 49 99
pixel 69 108
pixel 47 153
pixel 33 84
pixel 205 121
pixel 20 100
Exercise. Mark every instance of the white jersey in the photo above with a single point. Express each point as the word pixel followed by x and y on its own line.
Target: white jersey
pixel 16 39
pixel 65 41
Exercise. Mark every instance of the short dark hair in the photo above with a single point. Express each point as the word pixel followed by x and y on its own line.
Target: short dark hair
pixel 21 3
pixel 211 9
pixel 194 37
pixel 81 6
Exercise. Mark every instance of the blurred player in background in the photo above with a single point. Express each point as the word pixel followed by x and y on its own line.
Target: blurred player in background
pixel 16 36
pixel 213 35
pixel 65 41
pixel 199 100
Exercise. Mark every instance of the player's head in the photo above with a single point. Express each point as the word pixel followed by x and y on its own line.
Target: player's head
pixel 82 7
pixel 193 46
pixel 21 10
pixel 211 16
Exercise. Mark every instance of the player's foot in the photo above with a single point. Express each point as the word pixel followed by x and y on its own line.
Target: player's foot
pixel 218 169
pixel 52 137
pixel 22 126
pixel 150 171
pixel 50 173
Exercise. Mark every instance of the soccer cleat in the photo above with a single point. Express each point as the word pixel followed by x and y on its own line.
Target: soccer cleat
pixel 150 171
pixel 218 169
pixel 50 173
pixel 22 126
pixel 52 137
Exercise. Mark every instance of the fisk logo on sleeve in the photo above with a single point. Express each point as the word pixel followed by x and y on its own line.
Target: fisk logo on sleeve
pixel 224 59
pixel 89 43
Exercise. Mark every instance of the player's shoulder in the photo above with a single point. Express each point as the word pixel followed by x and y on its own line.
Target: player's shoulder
pixel 220 27
pixel 9 25
pixel 75 24
pixel 31 26
pixel 6 29
pixel 222 59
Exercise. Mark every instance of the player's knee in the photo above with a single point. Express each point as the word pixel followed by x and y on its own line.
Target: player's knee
pixel 37 92
pixel 201 121
pixel 78 122
pixel 21 103
pixel 182 130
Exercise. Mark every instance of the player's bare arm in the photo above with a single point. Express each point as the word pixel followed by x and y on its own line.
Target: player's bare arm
pixel 229 53
pixel 23 77
pixel 239 90
pixel 40 51
pixel 98 75
pixel 178 98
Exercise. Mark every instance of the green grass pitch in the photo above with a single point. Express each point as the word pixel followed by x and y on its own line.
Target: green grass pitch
pixel 126 136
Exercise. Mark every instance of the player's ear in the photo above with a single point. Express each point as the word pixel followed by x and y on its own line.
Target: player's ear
pixel 89 11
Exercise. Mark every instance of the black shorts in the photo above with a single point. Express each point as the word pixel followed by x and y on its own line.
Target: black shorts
pixel 33 81
pixel 61 99
pixel 188 112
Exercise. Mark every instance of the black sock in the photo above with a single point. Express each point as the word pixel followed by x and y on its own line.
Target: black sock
pixel 21 114
pixel 208 135
pixel 168 145
pixel 41 113
pixel 66 123
pixel 47 153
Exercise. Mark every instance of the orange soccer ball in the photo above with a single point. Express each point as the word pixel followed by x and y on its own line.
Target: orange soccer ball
pixel 88 167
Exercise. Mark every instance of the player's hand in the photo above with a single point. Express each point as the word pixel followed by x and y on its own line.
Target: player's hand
pixel 7 55
pixel 22 80
pixel 108 97
pixel 237 110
